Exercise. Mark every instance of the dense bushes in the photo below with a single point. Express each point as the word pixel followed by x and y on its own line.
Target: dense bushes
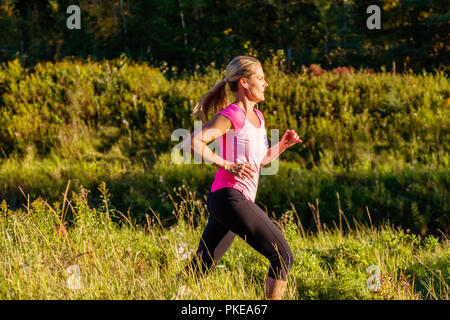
pixel 346 118
pixel 379 140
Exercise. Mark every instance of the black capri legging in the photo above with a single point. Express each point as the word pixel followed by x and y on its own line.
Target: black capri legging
pixel 231 214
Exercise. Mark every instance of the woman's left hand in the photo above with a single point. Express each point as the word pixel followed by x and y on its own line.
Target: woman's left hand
pixel 289 139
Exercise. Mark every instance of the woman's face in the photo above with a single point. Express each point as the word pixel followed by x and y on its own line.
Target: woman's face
pixel 256 85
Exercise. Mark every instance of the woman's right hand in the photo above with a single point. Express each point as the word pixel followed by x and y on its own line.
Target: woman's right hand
pixel 240 170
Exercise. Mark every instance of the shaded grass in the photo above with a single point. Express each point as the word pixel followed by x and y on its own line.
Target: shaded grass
pixel 400 193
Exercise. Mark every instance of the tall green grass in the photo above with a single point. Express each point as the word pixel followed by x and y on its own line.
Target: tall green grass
pixel 122 260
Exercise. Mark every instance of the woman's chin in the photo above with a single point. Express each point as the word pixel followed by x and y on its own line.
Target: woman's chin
pixel 258 99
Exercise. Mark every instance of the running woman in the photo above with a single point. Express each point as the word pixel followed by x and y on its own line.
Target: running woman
pixel 240 129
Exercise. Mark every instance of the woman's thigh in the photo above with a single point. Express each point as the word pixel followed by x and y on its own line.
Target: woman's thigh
pixel 215 240
pixel 244 218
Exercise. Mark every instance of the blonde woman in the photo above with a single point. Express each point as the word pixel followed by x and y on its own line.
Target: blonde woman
pixel 240 129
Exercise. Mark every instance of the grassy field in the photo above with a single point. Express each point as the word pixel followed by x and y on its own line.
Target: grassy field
pixel 94 257
pixel 368 187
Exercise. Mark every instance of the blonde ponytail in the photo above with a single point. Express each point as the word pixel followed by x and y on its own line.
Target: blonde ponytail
pixel 216 98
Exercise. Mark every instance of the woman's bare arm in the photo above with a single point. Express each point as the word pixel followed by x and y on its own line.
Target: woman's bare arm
pixel 273 153
pixel 288 140
pixel 213 128
pixel 210 130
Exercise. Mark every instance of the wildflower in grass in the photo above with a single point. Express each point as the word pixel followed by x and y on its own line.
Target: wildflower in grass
pixel 315 70
pixel 186 255
pixel 184 293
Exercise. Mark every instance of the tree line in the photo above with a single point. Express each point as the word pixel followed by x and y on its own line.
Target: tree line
pixel 190 34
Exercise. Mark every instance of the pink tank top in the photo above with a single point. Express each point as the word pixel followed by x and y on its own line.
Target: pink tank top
pixel 244 143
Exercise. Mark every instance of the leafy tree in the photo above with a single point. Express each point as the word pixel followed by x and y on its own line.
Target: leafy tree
pixel 192 33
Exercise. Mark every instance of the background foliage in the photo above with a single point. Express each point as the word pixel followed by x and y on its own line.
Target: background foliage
pixel 379 141
pixel 190 33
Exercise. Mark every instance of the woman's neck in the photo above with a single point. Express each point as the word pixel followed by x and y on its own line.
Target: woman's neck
pixel 245 104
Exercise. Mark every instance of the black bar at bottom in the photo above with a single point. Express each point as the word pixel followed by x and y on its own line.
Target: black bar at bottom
pixel 219 309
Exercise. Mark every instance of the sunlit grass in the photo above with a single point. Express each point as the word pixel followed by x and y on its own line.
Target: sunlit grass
pixel 127 261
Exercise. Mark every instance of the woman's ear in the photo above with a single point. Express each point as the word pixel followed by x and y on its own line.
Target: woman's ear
pixel 243 83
